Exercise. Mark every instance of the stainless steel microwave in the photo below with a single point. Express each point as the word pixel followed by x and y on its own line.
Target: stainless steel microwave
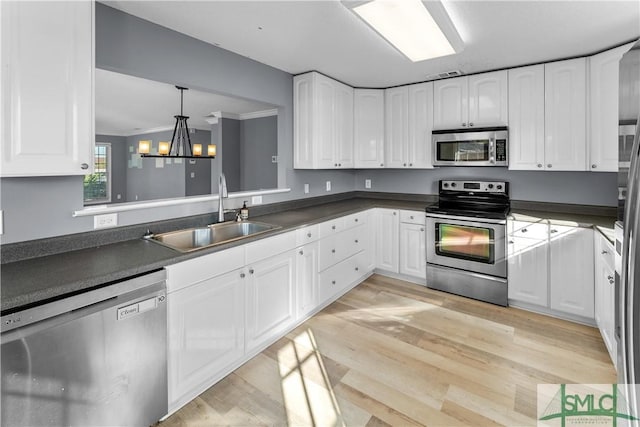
pixel 471 147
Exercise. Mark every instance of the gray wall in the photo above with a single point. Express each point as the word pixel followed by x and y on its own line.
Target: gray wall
pixel 586 188
pixel 258 143
pixel 118 166
pixel 129 45
pixel 231 165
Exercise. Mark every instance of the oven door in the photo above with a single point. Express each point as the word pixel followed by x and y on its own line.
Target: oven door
pixel 471 244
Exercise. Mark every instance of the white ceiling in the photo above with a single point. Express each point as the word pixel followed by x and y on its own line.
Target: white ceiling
pixel 299 36
pixel 127 105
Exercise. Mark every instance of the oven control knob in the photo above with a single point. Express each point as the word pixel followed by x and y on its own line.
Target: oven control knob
pixel 453 184
pixel 499 187
pixel 445 185
pixel 490 186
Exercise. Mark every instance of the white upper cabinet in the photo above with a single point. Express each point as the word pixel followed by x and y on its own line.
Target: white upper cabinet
pixel 526 118
pixel 396 125
pixel 471 101
pixel 420 125
pixel 565 115
pixel 47 88
pixel 450 103
pixel 408 125
pixel 322 123
pixel 603 111
pixel 488 99
pixel 368 128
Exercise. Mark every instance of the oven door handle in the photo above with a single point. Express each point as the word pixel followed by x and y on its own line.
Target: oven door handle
pixel 465 218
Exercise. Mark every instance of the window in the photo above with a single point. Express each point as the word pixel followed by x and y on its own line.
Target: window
pixel 97 186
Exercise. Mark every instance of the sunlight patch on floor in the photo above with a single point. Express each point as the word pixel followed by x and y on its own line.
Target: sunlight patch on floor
pixel 306 388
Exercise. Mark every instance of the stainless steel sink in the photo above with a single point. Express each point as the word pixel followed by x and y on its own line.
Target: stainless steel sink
pixel 193 239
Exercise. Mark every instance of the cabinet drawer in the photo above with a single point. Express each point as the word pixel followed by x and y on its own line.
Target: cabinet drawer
pixel 270 246
pixel 334 249
pixel 307 235
pixel 531 230
pixel 355 219
pixel 337 278
pixel 332 227
pixel 604 249
pixel 412 217
pixel 196 270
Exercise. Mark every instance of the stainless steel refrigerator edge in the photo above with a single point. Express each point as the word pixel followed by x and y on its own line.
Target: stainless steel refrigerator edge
pixel 628 276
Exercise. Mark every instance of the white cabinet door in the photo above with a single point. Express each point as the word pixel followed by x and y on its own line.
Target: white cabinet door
pixel 571 270
pixel 47 88
pixel 396 126
pixel 528 255
pixel 303 121
pixel 488 99
pixel 343 126
pixel 450 103
pixel 387 229
pixel 206 334
pixel 270 302
pixel 420 125
pixel 413 260
pixel 306 279
pixel 605 293
pixel 324 131
pixel 603 110
pixel 526 118
pixel 565 115
pixel 368 128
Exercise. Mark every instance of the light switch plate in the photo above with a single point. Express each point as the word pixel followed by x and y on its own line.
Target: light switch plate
pixel 256 200
pixel 306 189
pixel 367 183
pixel 328 185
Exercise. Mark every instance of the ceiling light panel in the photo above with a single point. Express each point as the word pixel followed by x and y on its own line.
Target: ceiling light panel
pixel 408 26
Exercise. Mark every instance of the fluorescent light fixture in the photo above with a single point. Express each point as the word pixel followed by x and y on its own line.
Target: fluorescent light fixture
pixel 411 26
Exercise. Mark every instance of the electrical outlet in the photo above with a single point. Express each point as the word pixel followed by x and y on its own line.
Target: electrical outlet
pixel 1 222
pixel 328 185
pixel 256 200
pixel 105 221
pixel 367 183
pixel 306 189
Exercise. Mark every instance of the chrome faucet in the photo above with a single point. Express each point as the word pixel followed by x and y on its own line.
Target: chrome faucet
pixel 222 194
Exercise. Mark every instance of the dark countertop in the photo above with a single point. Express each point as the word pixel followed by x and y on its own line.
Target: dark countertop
pixel 38 280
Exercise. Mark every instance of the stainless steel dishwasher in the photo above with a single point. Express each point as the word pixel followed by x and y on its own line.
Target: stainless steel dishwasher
pixel 93 359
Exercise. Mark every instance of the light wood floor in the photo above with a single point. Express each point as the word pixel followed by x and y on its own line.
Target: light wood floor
pixel 394 353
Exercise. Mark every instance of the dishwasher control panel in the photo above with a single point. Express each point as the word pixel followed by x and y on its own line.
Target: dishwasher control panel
pixel 140 307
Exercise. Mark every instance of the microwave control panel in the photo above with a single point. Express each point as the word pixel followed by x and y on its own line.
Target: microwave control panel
pixel 501 150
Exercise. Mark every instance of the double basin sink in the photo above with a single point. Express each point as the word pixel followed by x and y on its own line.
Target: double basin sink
pixel 192 239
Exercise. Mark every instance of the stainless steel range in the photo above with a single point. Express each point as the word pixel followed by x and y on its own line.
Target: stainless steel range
pixel 466 240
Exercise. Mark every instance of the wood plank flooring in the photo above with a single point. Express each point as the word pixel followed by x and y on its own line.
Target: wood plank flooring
pixel 393 353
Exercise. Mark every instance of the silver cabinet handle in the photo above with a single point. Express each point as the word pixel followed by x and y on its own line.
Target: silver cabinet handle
pixel 335 165
pixel 593 166
pixel 333 227
pixel 421 229
pixel 410 164
pixel 549 165
pixel 470 124
pixel 464 125
pixel 339 164
pixel 511 242
pixel 84 166
pixel 554 230
pixel 394 213
pixel 539 165
pixel 301 252
pixel 357 269
pixel 381 164
pixel 242 275
pixel 610 277
pixel 356 240
pixel 333 282
pixel 251 271
pixel 308 234
pixel 604 252
pixel 333 251
pixel 404 164
pixel 356 220
pixel 524 230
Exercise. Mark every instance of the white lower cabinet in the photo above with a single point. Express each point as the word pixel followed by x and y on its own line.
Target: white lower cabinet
pixel 206 334
pixel 306 279
pixel 550 268
pixel 387 233
pixel 570 271
pixel 270 300
pixel 528 262
pixel 605 293
pixel 413 260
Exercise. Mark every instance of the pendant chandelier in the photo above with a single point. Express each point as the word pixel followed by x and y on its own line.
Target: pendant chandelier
pixel 180 145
